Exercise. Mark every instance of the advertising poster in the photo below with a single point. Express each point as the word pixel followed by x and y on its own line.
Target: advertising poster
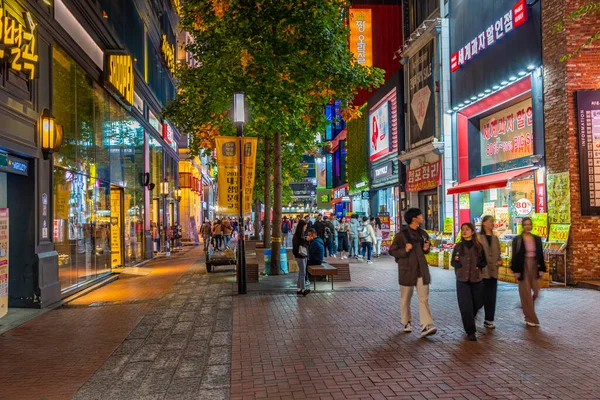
pixel 501 221
pixel 507 135
pixel 540 224
pixel 385 225
pixel 3 261
pixel 448 224
pixel 588 118
pixel 464 201
pixel 194 230
pixel 321 170
pixel 227 176
pixel 559 233
pixel 249 171
pixel 559 205
pixel 379 132
pixel 115 228
pixel 489 208
pixel 425 177
pixel 421 92
pixel 361 36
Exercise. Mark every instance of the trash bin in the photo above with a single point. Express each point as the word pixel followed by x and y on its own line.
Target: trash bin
pixel 283 262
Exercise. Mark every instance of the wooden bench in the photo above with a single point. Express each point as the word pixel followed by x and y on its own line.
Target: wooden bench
pixel 343 267
pixel 322 270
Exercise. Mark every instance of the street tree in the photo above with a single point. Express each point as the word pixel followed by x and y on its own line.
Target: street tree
pixel 289 57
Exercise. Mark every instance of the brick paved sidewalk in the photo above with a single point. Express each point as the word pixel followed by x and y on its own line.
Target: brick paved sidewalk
pixel 348 344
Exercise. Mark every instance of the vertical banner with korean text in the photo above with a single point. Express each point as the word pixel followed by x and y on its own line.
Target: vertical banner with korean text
pixel 248 170
pixel 3 261
pixel 227 176
pixel 361 36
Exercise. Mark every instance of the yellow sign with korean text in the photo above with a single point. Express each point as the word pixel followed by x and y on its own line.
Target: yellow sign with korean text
pixel 248 170
pixel 18 43
pixel 228 160
pixel 448 225
pixel 540 224
pixel 361 36
pixel 559 195
pixel 559 233
pixel 168 51
pixel 3 261
pixel 120 76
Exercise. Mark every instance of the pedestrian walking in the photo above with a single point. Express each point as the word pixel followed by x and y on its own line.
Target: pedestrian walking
pixel 329 238
pixel 491 248
pixel 528 266
pixel 367 240
pixel 353 235
pixel 378 237
pixel 205 231
pixel 300 251
pixel 226 229
pixel 468 260
pixel 217 232
pixel 409 248
pixel 342 236
pixel 286 228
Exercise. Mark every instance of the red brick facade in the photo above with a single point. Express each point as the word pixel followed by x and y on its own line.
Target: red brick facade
pixel 561 80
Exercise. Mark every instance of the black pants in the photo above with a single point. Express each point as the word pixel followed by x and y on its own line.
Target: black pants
pixel 342 242
pixel 489 298
pixel 470 300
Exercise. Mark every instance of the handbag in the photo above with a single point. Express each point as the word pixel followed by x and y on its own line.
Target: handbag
pixel 303 251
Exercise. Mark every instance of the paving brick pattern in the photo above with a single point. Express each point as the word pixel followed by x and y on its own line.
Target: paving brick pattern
pixel 348 344
pixel 181 349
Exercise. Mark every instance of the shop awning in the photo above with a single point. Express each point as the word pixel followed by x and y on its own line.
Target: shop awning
pixel 492 181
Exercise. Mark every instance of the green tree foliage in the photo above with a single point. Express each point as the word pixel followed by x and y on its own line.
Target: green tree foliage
pixel 357 150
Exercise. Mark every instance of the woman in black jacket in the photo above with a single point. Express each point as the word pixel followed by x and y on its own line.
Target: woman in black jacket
pixel 299 241
pixel 468 259
pixel 529 266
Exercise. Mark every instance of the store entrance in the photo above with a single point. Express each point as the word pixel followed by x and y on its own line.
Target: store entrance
pixel 428 202
pixel 116 226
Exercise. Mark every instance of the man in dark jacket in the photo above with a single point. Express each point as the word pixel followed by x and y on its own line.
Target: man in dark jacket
pixel 409 248
pixel 319 226
pixel 316 248
pixel 329 237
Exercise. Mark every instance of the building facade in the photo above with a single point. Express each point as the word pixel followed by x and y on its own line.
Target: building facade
pixel 103 70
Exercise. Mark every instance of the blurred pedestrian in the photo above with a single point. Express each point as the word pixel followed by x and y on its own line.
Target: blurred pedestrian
pixel 409 248
pixel 342 239
pixel 491 248
pixel 353 235
pixel 205 231
pixel 329 237
pixel 378 237
pixel 528 266
pixel 286 228
pixel 468 260
pixel 300 251
pixel 368 240
pixel 217 232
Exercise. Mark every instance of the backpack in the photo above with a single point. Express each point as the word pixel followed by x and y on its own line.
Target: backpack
pixel 327 232
pixel 285 227
pixel 362 232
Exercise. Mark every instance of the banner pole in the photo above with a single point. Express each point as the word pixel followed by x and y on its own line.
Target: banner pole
pixel 241 275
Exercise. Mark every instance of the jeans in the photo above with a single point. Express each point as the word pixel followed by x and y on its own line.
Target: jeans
pixel 227 240
pixel 284 240
pixel 489 298
pixel 329 247
pixel 301 284
pixel 206 241
pixel 470 300
pixel 367 247
pixel 377 247
pixel 218 240
pixel 353 246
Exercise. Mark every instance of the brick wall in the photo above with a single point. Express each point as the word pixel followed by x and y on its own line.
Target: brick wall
pixel 561 80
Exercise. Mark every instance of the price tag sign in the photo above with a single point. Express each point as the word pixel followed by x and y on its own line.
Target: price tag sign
pixel 559 232
pixel 448 224
pixel 523 206
pixel 540 224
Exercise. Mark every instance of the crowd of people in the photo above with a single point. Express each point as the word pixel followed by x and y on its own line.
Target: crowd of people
pixel 475 259
pixel 217 234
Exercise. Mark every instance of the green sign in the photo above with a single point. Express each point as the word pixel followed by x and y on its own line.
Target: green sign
pixel 559 233
pixel 448 225
pixel 540 224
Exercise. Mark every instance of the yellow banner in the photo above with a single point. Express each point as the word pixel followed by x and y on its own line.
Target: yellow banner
pixel 228 160
pixel 361 36
pixel 249 171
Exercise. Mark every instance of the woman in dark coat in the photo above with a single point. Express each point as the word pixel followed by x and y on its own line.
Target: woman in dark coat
pixel 299 241
pixel 529 266
pixel 468 260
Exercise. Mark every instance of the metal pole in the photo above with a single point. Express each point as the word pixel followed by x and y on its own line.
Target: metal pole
pixel 241 274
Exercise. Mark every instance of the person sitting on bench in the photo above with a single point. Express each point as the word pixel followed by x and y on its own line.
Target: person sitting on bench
pixel 316 248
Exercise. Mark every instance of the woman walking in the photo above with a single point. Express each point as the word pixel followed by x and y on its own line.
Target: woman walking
pixel 378 237
pixel 342 236
pixel 491 248
pixel 468 259
pixel 528 266
pixel 300 251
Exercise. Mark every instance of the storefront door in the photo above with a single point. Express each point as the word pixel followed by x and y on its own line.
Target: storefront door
pixel 116 226
pixel 428 202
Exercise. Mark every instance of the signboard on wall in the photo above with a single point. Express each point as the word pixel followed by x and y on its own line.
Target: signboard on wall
pixel 379 132
pixel 361 36
pixel 507 134
pixel 421 92
pixel 588 125
pixel 18 44
pixel 4 236
pixel 425 177
pixel 118 67
pixel 559 204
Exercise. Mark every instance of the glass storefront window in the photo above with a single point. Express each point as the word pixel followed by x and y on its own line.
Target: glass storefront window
pixel 511 204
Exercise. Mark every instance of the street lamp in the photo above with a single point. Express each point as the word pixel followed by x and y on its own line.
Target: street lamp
pixel 239 117
pixel 51 134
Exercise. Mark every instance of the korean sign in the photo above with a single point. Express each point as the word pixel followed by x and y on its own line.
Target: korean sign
pixel 3 261
pixel 169 136
pixel 248 170
pixel 588 124
pixel 18 43
pixel 361 36
pixel 119 69
pixel 559 204
pixel 421 91
pixel 227 177
pixel 492 34
pixel 508 134
pixel 379 132
pixel 425 177
pixel 168 52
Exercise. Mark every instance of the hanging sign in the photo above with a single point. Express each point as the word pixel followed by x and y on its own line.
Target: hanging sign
pixel 425 177
pixel 228 160
pixel 168 52
pixel 495 32
pixel 379 132
pixel 540 191
pixel 361 36
pixel 118 67
pixel 421 91
pixel 249 146
pixel 4 236
pixel 18 44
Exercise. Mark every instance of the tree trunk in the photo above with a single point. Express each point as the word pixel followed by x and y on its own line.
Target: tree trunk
pixel 267 192
pixel 277 189
pixel 256 220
